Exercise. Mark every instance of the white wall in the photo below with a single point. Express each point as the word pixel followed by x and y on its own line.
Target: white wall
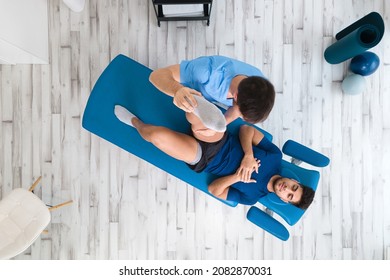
pixel 24 32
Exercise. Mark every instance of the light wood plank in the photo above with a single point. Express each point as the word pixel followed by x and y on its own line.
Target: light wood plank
pixel 124 208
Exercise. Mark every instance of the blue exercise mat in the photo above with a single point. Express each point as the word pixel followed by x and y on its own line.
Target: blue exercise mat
pixel 126 82
pixel 355 39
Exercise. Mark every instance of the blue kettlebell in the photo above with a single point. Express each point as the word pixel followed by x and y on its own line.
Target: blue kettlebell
pixel 364 64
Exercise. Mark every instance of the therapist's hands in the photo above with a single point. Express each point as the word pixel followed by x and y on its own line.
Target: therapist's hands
pixel 184 99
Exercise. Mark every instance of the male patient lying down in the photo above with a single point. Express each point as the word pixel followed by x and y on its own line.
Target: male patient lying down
pixel 247 165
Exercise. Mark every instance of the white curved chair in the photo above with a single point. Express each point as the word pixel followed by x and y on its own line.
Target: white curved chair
pixel 23 217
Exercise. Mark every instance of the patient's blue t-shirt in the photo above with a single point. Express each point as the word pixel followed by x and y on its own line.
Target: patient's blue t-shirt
pixel 228 160
pixel 212 75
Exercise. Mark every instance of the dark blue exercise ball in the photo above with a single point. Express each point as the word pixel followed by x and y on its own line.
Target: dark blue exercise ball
pixel 364 64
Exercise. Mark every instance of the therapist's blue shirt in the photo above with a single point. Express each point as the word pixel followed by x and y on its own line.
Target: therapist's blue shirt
pixel 212 75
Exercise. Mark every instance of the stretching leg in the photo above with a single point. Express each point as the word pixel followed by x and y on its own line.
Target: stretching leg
pixel 200 131
pixel 178 145
pixel 175 144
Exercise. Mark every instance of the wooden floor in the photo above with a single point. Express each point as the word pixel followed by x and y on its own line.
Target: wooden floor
pixel 125 208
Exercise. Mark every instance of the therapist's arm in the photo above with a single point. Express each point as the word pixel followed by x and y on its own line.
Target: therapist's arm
pixel 167 80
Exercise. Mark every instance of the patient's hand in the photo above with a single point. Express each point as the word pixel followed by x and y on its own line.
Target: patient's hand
pixel 248 165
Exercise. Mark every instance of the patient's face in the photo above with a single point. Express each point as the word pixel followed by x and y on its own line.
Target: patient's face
pixel 288 190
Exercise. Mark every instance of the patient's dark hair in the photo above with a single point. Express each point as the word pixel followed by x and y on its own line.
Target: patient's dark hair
pixel 306 199
pixel 255 98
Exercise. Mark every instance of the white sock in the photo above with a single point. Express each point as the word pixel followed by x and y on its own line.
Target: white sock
pixel 209 114
pixel 123 115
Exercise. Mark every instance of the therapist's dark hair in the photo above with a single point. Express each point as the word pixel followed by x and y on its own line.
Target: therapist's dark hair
pixel 255 98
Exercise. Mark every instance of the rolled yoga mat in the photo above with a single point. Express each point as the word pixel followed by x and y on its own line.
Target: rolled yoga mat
pixel 355 39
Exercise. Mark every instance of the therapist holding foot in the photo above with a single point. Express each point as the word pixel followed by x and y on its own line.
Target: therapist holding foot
pixel 239 86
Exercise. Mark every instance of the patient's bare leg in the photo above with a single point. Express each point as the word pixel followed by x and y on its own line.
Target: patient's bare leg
pixel 175 144
pixel 178 145
pixel 200 131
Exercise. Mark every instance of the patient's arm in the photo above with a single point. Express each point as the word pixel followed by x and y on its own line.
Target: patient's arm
pixel 249 137
pixel 220 187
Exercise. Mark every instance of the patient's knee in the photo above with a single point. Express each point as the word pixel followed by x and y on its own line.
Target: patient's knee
pixel 212 190
pixel 193 119
pixel 196 123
